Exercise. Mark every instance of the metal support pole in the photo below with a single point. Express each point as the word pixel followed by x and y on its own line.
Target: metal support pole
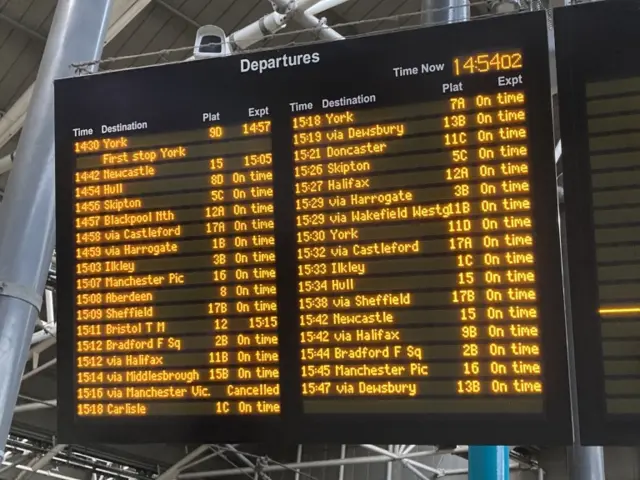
pixel 488 463
pixel 586 463
pixel 343 454
pixel 27 211
pixel 437 12
pixel 298 460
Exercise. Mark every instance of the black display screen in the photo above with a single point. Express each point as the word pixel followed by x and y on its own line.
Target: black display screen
pixel 341 242
pixel 599 91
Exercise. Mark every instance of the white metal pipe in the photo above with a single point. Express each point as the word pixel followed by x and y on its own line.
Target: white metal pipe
pixel 47 457
pixel 39 337
pixel 298 460
pixel 256 31
pixel 46 473
pixel 28 407
pixel 307 20
pixel 48 301
pixel 15 460
pixel 43 335
pixel 456 471
pixel 343 455
pixel 40 347
pixel 390 468
pixel 324 5
pixel 6 163
pixel 410 464
pixel 311 21
pixel 312 464
pixel 37 370
pixel 304 5
pixel 375 448
pixel 408 449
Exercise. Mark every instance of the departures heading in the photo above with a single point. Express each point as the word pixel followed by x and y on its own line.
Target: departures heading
pixel 367 244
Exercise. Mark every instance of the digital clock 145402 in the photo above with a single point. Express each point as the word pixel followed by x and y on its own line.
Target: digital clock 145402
pixel 487 62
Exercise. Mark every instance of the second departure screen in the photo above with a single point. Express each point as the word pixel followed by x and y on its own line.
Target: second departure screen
pixel 599 84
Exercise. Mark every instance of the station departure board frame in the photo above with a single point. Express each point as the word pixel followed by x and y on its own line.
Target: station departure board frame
pixel 397 76
pixel 597 77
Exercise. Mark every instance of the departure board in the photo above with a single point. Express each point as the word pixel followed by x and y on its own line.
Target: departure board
pixel 599 90
pixel 341 242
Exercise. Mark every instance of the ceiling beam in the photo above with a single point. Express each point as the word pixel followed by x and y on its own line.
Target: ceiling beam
pixel 172 472
pixel 122 13
pixel 178 13
pixel 24 28
pixel 334 18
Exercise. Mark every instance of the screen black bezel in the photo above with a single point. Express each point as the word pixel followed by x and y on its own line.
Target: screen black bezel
pixel 594 41
pixel 527 32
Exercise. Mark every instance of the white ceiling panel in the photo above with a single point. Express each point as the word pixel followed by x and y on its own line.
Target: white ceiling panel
pixel 193 8
pixel 19 55
pixel 126 35
pixel 152 25
pixel 166 39
pixel 16 9
pixel 39 14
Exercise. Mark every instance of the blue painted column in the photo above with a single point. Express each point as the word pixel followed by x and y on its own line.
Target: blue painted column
pixel 488 462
